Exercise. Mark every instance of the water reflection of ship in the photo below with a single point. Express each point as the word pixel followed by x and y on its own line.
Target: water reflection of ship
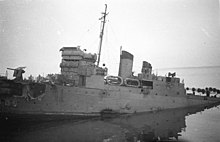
pixel 162 125
pixel 151 126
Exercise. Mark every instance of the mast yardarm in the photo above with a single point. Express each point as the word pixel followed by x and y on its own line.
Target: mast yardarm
pixel 102 33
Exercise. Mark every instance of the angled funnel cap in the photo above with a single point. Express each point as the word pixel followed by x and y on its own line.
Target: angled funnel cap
pixel 126 55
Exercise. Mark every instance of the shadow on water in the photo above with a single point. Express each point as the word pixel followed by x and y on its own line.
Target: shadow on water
pixel 145 127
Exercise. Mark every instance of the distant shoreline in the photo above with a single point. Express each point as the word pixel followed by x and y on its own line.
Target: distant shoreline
pixel 195 67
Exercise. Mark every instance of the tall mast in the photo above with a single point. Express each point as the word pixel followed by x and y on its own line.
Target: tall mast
pixel 102 33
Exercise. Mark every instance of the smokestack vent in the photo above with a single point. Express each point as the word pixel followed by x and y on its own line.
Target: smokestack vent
pixel 126 64
pixel 127 55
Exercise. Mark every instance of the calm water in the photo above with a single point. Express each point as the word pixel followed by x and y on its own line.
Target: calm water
pixel 203 126
pixel 185 125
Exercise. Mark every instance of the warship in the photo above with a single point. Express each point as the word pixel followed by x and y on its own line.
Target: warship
pixel 85 89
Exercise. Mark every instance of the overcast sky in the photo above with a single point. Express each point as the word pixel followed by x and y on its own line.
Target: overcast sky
pixel 166 33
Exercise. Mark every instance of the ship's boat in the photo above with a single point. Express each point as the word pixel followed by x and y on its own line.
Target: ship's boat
pixel 114 80
pixel 83 88
pixel 132 82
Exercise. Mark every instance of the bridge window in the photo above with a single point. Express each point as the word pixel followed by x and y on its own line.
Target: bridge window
pixel 168 79
pixel 148 84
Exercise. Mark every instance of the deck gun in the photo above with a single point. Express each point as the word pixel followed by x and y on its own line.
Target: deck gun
pixel 18 73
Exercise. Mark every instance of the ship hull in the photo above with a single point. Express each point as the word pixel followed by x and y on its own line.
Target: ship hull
pixel 59 100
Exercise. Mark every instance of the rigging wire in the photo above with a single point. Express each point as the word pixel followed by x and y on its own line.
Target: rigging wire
pixel 112 29
pixel 93 43
pixel 82 38
pixel 110 47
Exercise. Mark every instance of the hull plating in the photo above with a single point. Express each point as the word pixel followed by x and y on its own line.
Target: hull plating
pixel 63 100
